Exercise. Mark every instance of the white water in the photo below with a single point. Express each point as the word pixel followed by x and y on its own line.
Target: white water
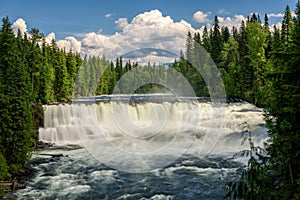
pixel 183 150
pixel 147 127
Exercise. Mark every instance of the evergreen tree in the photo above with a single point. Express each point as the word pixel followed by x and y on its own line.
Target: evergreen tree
pixel 268 47
pixel 189 47
pixel 205 39
pixel 225 34
pixel 61 82
pixel 283 114
pixel 256 43
pixel 246 71
pixel 287 26
pixel 216 42
pixel 16 119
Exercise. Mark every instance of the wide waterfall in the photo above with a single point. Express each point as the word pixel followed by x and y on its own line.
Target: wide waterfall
pixel 175 149
pixel 142 127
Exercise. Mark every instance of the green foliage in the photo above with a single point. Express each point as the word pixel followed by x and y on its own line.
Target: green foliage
pixel 256 64
pixel 216 42
pixel 3 169
pixel 254 181
pixel 275 61
pixel 16 120
pixel 29 75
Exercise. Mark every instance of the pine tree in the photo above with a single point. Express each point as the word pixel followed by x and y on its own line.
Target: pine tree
pixel 268 47
pixel 283 115
pixel 246 71
pixel 225 34
pixel 287 26
pixel 61 82
pixel 47 76
pixel 16 119
pixel 189 48
pixel 256 43
pixel 205 39
pixel 216 42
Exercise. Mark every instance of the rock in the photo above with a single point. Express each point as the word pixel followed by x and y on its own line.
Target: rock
pixel 43 145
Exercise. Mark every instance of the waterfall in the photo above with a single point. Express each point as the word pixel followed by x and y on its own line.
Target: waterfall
pixel 140 126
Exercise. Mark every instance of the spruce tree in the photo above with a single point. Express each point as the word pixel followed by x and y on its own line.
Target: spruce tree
pixel 205 39
pixel 16 119
pixel 216 42
pixel 287 26
pixel 256 43
pixel 283 115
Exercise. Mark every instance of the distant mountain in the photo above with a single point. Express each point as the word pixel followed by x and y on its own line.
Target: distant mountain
pixel 146 52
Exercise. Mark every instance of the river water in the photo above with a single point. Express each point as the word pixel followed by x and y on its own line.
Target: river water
pixel 141 150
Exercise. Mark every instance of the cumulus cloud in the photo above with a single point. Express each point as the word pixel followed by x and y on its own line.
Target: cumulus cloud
pixel 19 24
pixel 278 26
pixel 121 23
pixel 50 37
pixel 147 30
pixel 108 15
pixel 230 22
pixel 69 44
pixel 201 17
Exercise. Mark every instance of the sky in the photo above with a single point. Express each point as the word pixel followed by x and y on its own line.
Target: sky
pixel 115 27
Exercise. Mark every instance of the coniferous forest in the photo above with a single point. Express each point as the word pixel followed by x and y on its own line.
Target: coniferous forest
pixel 258 63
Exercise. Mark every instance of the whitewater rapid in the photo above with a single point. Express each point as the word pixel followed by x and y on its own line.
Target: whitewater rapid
pixel 141 150
pixel 153 128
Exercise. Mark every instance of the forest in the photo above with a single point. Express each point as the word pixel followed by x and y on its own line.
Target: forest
pixel 258 63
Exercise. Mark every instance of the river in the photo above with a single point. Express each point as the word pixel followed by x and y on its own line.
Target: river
pixel 141 149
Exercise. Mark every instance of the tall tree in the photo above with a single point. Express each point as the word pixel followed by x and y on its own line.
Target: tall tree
pixel 283 115
pixel 16 119
pixel 256 43
pixel 225 34
pixel 205 39
pixel 216 42
pixel 268 47
pixel 287 26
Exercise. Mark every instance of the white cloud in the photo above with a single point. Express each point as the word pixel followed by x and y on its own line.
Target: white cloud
pixel 147 30
pixel 19 24
pixel 280 15
pixel 230 22
pixel 69 44
pixel 275 15
pixel 50 37
pixel 278 26
pixel 121 23
pixel 201 17
pixel 108 15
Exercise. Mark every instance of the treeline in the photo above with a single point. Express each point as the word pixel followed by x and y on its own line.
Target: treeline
pixel 32 73
pixel 98 76
pixel 245 56
pixel 257 65
pixel 262 67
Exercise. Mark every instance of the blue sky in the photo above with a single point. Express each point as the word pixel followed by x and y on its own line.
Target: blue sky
pixel 76 18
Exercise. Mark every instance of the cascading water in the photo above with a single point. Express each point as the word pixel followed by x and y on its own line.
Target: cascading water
pixel 180 150
pixel 154 122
